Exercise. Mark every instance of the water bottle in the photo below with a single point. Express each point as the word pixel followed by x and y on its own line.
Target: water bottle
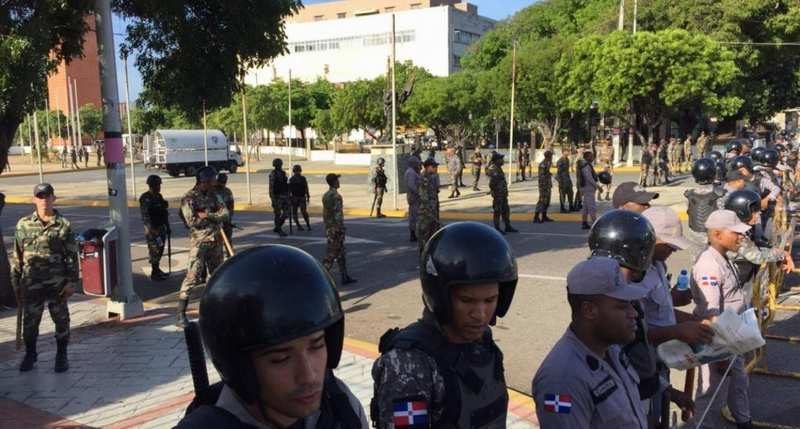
pixel 683 281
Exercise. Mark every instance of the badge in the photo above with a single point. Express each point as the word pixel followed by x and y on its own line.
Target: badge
pixel 410 413
pixel 557 403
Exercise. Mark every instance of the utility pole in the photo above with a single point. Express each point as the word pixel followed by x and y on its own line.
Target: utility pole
pixel 124 301
pixel 635 12
pixel 47 119
pixel 394 116
pixel 513 95
pixel 621 24
pixel 72 108
pixel 128 117
pixel 38 147
pixel 30 136
pixel 246 144
pixel 205 133
pixel 77 113
pixel 290 118
pixel 58 121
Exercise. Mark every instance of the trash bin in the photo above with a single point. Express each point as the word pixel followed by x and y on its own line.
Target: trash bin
pixel 97 252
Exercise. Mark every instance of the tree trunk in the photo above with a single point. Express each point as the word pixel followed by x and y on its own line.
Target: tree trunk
pixel 8 128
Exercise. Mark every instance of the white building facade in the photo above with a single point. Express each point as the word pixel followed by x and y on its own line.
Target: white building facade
pixel 358 47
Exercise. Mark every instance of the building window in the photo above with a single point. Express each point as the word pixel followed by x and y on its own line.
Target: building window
pixel 341 15
pixel 389 9
pixel 352 42
pixel 319 17
pixel 465 37
pixel 456 62
pixel 416 5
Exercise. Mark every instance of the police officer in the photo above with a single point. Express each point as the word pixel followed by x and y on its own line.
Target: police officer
pixel 687 149
pixel 587 183
pixel 565 192
pixel 155 217
pixel 765 162
pixel 446 365
pixel 204 213
pixel 716 288
pixel 274 346
pixel 586 381
pixel 633 197
pixel 732 150
pixel 453 169
pixel 499 190
pixel 545 186
pixel 702 200
pixel 411 178
pixel 379 186
pixel 428 211
pixel 645 164
pixel 333 218
pixel 523 160
pixel 604 179
pixel 300 196
pixel 227 198
pixel 279 195
pixel 44 270
pixel 477 163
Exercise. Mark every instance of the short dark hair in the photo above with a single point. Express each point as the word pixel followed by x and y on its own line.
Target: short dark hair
pixel 575 301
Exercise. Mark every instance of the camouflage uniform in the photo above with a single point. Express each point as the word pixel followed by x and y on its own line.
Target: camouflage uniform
pixel 44 261
pixel 206 251
pixel 227 198
pixel 523 159
pixel 333 217
pixel 428 211
pixel 477 163
pixel 411 178
pixel 299 196
pixel 499 190
pixel 279 195
pixel 454 168
pixel 6 291
pixel 702 144
pixel 687 152
pixel 155 218
pixel 565 192
pixel 545 186
pixel 644 166
pixel 379 186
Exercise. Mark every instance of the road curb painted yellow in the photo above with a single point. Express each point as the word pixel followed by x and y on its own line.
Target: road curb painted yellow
pixel 47 173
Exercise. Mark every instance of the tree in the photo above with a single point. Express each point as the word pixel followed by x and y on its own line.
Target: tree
pixel 359 105
pixel 195 52
pixel 36 37
pixel 651 74
pixel 91 120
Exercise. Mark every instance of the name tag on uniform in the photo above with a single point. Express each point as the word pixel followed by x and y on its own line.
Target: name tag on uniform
pixel 603 390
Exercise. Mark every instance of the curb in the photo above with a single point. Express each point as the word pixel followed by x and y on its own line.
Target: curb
pixel 46 173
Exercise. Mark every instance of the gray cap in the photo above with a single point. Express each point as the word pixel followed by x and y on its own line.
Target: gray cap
pixel 599 275
pixel 726 219
pixel 667 226
pixel 631 192
pixel 43 190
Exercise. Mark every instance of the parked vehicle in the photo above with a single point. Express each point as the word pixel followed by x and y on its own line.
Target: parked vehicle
pixel 184 152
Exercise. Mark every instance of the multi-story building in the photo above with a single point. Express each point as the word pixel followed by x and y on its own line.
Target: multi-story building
pixel 344 41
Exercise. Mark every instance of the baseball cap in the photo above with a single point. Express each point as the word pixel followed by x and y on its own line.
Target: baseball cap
pixel 732 175
pixel 331 177
pixel 43 190
pixel 667 226
pixel 600 275
pixel 430 161
pixel 726 219
pixel 631 192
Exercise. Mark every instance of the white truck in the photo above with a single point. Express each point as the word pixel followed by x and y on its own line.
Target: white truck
pixel 185 151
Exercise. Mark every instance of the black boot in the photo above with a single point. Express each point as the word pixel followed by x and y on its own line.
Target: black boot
pixel 346 279
pixel 510 228
pixel 536 218
pixel 156 274
pixel 279 231
pixel 585 225
pixel 545 218
pixel 748 425
pixel 30 356
pixel 380 215
pixel 62 364
pixel 308 225
pixel 182 321
pixel 412 237
pixel 299 228
pixel 564 209
pixel 497 227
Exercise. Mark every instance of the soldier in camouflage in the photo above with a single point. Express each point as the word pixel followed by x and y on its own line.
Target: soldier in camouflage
pixel 44 270
pixel 545 186
pixel 7 298
pixel 333 217
pixel 204 213
pixel 155 217
pixel 379 186
pixel 499 190
pixel 279 195
pixel 447 363
pixel 477 162
pixel 565 191
pixel 454 168
pixel 300 196
pixel 227 197
pixel 411 178
pixel 428 211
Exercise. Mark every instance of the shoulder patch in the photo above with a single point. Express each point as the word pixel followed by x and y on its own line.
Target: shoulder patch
pixel 410 412
pixel 558 403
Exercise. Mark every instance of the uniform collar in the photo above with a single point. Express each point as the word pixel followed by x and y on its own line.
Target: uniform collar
pixel 56 217
pixel 572 338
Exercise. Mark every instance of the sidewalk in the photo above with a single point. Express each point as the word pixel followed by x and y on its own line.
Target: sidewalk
pixel 135 374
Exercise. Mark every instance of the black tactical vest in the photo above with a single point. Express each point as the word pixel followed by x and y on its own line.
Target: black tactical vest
pixel 701 206
pixel 475 386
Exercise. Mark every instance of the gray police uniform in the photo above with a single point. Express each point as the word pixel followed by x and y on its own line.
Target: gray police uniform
pixel 717 287
pixel 575 388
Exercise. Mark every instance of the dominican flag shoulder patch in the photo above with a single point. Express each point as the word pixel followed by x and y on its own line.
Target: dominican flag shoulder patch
pixel 709 281
pixel 410 413
pixel 557 403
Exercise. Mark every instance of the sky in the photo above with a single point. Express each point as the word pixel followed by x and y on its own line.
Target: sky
pixel 495 9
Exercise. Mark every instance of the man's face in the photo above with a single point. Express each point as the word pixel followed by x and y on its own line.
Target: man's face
pixel 745 172
pixel 614 320
pixel 290 377
pixel 736 184
pixel 156 187
pixel 635 207
pixel 746 149
pixel 335 184
pixel 473 307
pixel 44 203
pixel 727 239
pixel 663 251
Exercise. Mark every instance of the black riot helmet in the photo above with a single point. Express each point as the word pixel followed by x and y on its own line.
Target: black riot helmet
pixel 757 154
pixel 771 158
pixel 744 203
pixel 277 163
pixel 704 171
pixel 721 170
pixel 625 236
pixel 742 161
pixel 263 297
pixel 734 146
pixel 465 253
pixel 780 147
pixel 205 174
pixel 153 180
pixel 715 155
pixel 297 168
pixel 604 177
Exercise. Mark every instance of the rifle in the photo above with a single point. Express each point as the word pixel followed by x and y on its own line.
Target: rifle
pixel 290 214
pixel 197 359
pixel 169 251
pixel 374 198
pixel 688 386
